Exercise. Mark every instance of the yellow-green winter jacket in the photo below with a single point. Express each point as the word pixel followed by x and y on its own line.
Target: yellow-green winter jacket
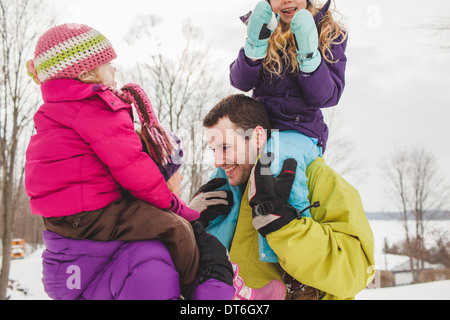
pixel 333 251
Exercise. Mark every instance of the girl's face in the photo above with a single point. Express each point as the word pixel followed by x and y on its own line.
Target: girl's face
pixel 106 74
pixel 287 8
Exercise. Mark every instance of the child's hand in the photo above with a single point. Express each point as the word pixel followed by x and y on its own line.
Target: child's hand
pixel 180 208
pixel 307 41
pixel 260 27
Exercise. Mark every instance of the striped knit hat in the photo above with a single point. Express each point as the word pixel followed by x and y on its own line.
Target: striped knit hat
pixel 67 50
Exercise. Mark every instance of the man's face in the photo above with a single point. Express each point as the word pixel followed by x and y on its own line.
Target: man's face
pixel 233 152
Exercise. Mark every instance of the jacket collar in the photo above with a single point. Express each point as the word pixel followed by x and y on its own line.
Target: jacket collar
pixel 73 90
pixel 319 16
pixel 69 90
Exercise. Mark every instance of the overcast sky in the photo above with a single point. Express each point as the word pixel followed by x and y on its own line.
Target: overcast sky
pixel 398 71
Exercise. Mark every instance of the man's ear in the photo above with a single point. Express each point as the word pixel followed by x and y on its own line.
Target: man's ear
pixel 260 135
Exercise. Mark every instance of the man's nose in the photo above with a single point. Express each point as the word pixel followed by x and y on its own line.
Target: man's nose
pixel 219 159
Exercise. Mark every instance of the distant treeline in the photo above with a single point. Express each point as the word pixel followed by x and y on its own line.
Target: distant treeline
pixel 432 215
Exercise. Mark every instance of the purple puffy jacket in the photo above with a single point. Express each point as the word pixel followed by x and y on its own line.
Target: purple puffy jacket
pixel 140 270
pixel 293 102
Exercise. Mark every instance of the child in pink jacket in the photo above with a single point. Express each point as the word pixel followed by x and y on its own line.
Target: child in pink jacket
pixel 86 157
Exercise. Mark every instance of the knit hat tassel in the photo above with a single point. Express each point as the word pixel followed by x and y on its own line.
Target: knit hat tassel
pixel 159 144
pixel 157 139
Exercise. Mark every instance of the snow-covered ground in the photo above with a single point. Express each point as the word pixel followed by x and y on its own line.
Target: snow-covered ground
pixel 438 290
pixel 26 273
pixel 393 231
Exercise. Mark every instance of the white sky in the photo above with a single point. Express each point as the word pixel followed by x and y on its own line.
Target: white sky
pixel 398 75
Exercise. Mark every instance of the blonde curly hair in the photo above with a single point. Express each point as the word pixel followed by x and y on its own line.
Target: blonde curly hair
pixel 282 43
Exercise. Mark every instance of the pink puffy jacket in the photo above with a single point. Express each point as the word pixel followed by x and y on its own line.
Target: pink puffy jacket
pixel 84 150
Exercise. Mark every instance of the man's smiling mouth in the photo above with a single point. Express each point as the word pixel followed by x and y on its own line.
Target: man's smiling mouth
pixel 230 168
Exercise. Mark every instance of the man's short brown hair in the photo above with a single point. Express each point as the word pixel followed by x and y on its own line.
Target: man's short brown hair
pixel 243 111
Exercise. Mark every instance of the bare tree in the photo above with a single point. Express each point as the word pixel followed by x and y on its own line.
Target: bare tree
pixel 27 225
pixel 419 190
pixel 340 153
pixel 440 32
pixel 19 28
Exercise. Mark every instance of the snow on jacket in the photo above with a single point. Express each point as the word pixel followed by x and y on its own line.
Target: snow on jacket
pixel 84 151
pixel 332 251
pixel 293 101
pixel 115 270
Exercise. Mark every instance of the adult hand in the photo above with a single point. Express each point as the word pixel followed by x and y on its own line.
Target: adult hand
pixel 211 202
pixel 306 37
pixel 214 261
pixel 269 196
pixel 260 27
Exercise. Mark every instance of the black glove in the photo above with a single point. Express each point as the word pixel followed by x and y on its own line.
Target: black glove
pixel 211 202
pixel 214 262
pixel 269 196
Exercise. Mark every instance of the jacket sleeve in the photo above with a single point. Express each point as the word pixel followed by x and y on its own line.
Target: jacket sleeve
pixel 323 88
pixel 244 73
pixel 333 251
pixel 111 135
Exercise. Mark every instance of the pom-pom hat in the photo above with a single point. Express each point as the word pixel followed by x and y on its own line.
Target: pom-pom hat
pixel 64 51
